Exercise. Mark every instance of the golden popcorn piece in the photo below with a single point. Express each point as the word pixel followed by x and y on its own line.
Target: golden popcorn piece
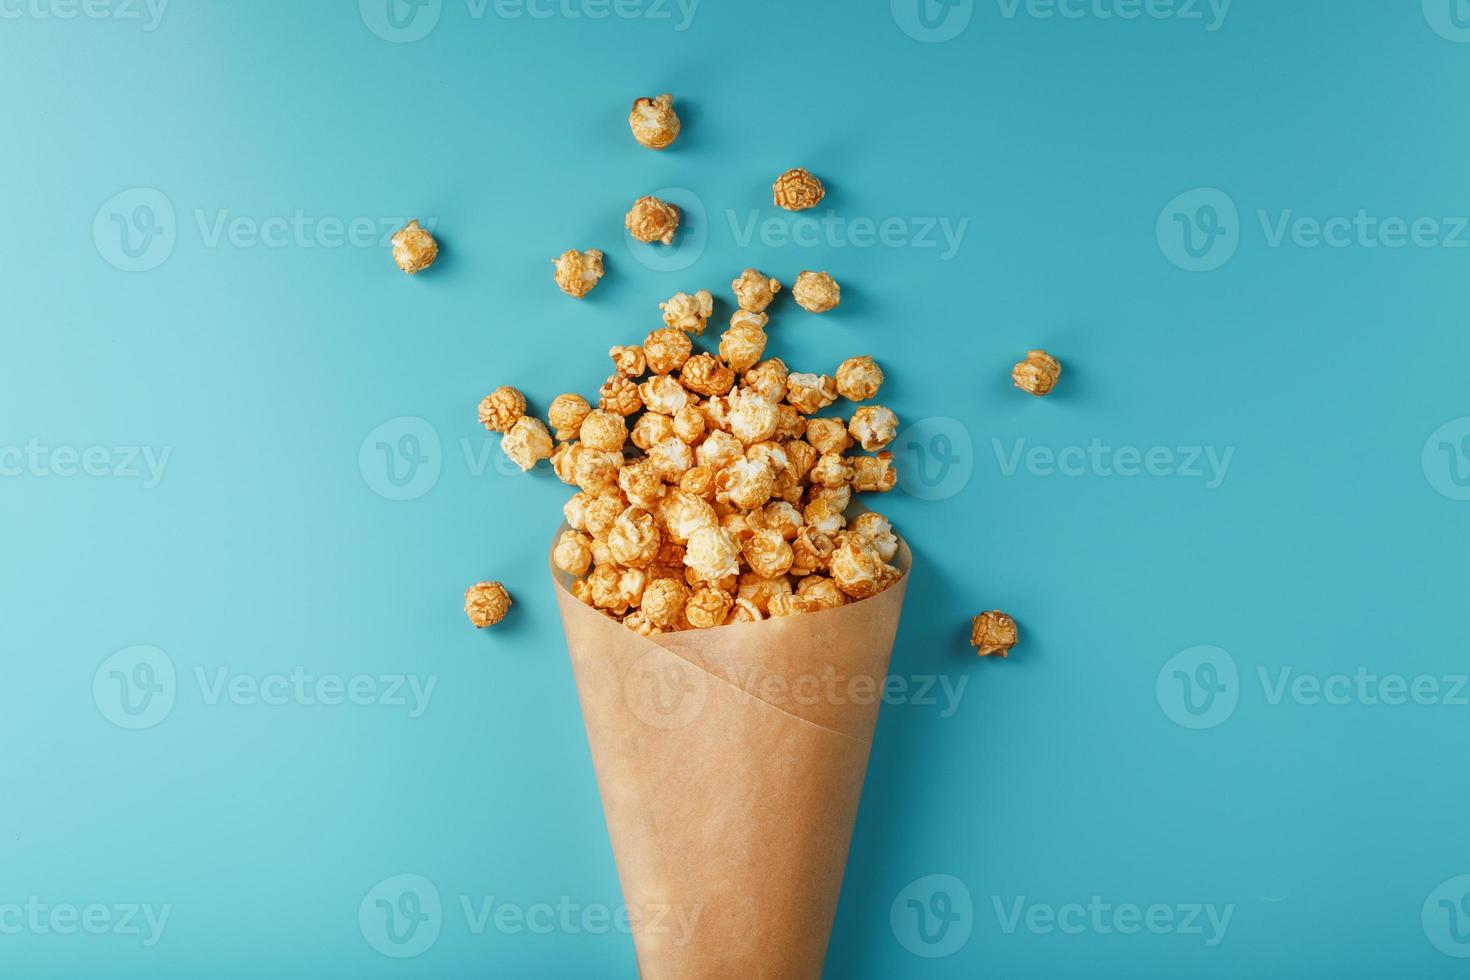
pixel 708 608
pixel 651 429
pixel 719 450
pixel 486 603
pixel 620 395
pixel 743 344
pixel 566 414
pixel 768 378
pixel 810 393
pixel 577 272
pixel 816 292
pixel 856 567
pixel 743 611
pixel 874 474
pixel 794 605
pixel 573 553
pixel 705 374
pixel 993 633
pixel 652 220
pixel 746 483
pixel 527 442
pixel 414 249
pixel 654 122
pixel 502 408
pixel 859 378
pixel 822 590
pixel 642 484
pixel 602 511
pixel 752 418
pixel 629 361
pixel 689 424
pixel 634 538
pixel 832 470
pixel 828 435
pixel 754 290
pixel 879 533
pixel 874 427
pixel 825 515
pixel 682 513
pixel 604 430
pixel 671 458
pixel 767 553
pixel 688 313
pixel 664 601
pixel 666 350
pixel 1038 373
pixel 664 395
pixel 712 554
pixel 700 482
pixel 811 551
pixel 797 190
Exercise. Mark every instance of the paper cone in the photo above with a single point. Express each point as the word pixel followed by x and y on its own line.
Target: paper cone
pixel 730 763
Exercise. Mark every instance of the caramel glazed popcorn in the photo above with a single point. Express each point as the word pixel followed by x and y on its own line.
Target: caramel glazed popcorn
pixel 711 487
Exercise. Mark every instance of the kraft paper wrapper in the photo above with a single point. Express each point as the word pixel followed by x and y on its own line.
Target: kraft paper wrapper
pixel 730 763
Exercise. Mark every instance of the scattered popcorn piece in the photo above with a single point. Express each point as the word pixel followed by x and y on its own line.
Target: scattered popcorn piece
pixel 414 249
pixel 1038 373
pixel 486 603
pixel 629 361
pixel 828 435
pixel 689 313
pixel 754 290
pixel 566 414
pixel 654 122
pixel 874 427
pixel 642 484
pixel 501 409
pixel 604 430
pixel 993 633
pixel 859 378
pixel 797 190
pixel 634 538
pixel 619 394
pixel 664 395
pixel 856 567
pixel 651 429
pixel 689 424
pixel 810 393
pixel 577 272
pixel 652 220
pixel 527 442
pixel 743 344
pixel 666 350
pixel 573 553
pixel 879 532
pixel 874 474
pixel 753 418
pixel 816 292
pixel 746 483
pixel 768 378
pixel 705 374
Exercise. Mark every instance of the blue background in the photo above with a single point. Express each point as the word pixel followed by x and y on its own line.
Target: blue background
pixel 1063 774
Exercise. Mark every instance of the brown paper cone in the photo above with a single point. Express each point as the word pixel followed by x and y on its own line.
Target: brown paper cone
pixel 730 763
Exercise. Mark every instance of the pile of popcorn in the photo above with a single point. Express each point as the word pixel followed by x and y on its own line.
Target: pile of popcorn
pixel 710 490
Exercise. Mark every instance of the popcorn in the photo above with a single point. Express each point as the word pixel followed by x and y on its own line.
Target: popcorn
pixel 595 470
pixel 602 512
pixel 619 395
pixel 768 378
pixel 689 313
pixel 754 290
pixel 672 458
pixel 652 220
pixel 575 510
pixel 651 429
pixel 414 249
pixel 634 538
pixel 486 603
pixel 746 483
pixel 816 292
pixel 629 361
pixel 566 414
pixel 663 602
pixel 752 418
pixel 502 408
pixel 859 378
pixel 573 553
pixel 856 567
pixel 700 482
pixel 604 430
pixel 874 474
pixel 821 590
pixel 689 424
pixel 654 122
pixel 828 435
pixel 642 484
pixel 703 373
pixel 711 554
pixel 874 427
pixel 708 608
pixel 798 190
pixel 615 589
pixel 743 344
pixel 1038 373
pixel 879 533
pixel 527 442
pixel 811 551
pixel 744 611
pixel 782 517
pixel 824 515
pixel 993 633
pixel 832 470
pixel 682 514
pixel 666 350
pixel 760 591
pixel 810 393
pixel 768 553
pixel 663 395
pixel 719 450
pixel 577 272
